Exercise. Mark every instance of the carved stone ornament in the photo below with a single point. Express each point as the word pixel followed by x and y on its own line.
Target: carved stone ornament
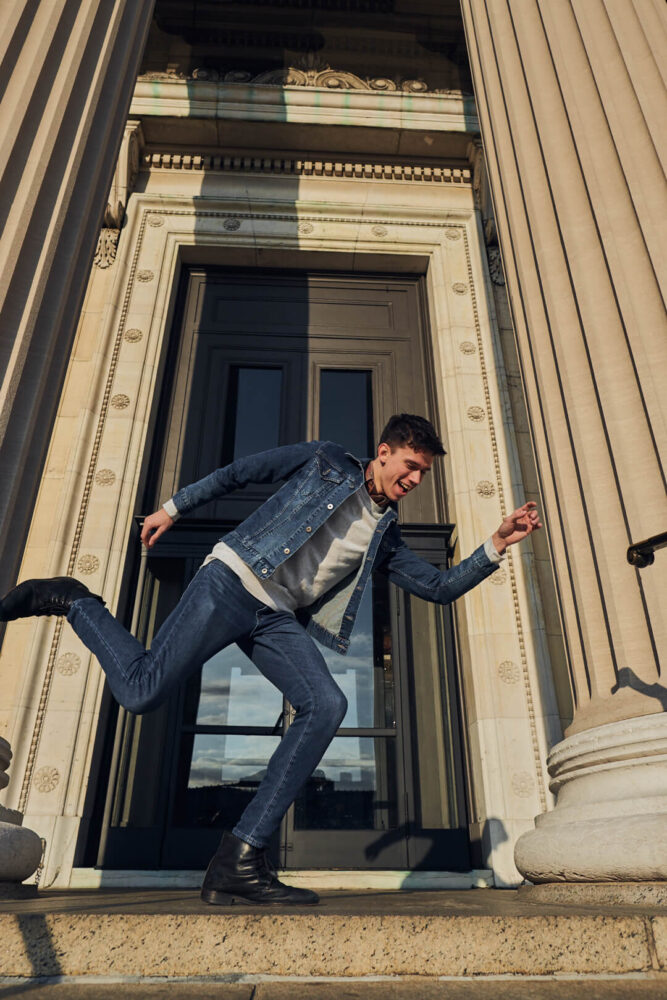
pixel 88 564
pixel 105 477
pixel 509 672
pixel 311 71
pixel 120 401
pixel 132 336
pixel 145 276
pixel 453 234
pixel 485 488
pixel 107 245
pixel 379 231
pixel 495 266
pixel 476 413
pixel 498 578
pixel 467 347
pixel 68 664
pixel 155 221
pixel 231 225
pixel 46 779
pixel 522 784
pixel 305 228
pixel 459 287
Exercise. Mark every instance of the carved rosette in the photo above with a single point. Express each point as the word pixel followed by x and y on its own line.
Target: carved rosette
pixel 46 779
pixel 107 245
pixel 132 336
pixel 467 347
pixel 459 287
pixel 522 784
pixel 476 414
pixel 105 477
pixel 68 664
pixel 88 564
pixel 231 225
pixel 485 488
pixel 508 672
pixel 120 401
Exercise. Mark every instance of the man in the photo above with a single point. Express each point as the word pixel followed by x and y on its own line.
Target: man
pixel 295 568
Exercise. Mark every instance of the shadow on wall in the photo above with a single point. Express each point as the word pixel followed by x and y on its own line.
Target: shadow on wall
pixel 627 678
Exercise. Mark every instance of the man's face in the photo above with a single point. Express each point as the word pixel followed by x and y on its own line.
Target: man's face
pixel 400 470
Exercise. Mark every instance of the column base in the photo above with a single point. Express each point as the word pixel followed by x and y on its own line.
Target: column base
pixel 610 820
pixel 596 893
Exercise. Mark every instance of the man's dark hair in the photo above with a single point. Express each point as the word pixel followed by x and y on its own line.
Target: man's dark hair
pixel 406 430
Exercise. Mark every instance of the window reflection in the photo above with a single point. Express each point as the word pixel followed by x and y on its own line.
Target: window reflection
pixel 352 788
pixel 366 674
pixel 252 414
pixel 220 776
pixel 346 409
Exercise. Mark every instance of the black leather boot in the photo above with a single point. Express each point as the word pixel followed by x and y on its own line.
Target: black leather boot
pixel 241 871
pixel 43 597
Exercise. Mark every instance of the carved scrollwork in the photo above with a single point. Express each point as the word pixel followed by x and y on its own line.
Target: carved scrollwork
pixel 311 72
pixel 107 245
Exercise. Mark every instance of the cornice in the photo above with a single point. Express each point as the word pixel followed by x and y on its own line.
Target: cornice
pixel 170 96
pixel 311 167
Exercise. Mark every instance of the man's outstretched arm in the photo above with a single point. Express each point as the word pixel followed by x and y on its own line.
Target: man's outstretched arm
pixel 419 577
pixel 265 467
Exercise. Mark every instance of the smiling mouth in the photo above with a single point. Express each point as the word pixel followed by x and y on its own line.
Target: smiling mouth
pixel 404 487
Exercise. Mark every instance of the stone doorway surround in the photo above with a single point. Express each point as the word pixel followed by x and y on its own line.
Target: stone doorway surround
pixel 190 209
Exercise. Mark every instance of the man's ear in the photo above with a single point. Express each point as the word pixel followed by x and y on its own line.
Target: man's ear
pixel 384 450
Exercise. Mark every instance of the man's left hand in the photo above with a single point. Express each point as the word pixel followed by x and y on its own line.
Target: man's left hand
pixel 517 526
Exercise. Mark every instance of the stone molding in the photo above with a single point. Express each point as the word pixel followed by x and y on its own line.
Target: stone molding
pixel 307 76
pixel 354 170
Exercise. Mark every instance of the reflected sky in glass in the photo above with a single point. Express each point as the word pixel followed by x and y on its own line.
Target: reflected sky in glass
pixel 223 759
pixel 346 410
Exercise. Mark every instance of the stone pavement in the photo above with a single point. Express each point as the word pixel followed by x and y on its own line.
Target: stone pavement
pixel 407 989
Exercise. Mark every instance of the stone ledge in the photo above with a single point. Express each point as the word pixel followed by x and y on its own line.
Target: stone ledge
pixel 324 944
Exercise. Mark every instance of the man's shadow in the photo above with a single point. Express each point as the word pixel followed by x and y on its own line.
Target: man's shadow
pixel 627 678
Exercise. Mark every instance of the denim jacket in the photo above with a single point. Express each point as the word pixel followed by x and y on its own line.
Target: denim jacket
pixel 318 476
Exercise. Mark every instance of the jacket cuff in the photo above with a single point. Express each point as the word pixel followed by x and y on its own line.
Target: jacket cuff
pixel 492 553
pixel 171 509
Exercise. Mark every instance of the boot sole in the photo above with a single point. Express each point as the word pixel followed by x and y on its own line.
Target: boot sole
pixel 227 899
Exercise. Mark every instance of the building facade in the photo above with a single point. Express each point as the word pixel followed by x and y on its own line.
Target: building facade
pixel 307 206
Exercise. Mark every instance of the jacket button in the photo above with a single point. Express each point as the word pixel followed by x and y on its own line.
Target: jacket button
pixel 329 506
pixel 265 571
pixel 308 529
pixel 286 551
pixel 350 618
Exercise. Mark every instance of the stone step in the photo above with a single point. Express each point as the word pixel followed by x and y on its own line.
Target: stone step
pixel 583 988
pixel 479 932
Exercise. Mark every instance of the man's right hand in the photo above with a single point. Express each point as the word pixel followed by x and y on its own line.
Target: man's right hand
pixel 155 525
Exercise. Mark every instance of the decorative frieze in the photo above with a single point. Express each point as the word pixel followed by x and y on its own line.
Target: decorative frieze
pixel 495 265
pixel 421 173
pixel 312 73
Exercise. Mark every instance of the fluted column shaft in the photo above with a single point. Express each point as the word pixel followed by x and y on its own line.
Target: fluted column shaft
pixel 67 71
pixel 571 103
pixel 572 108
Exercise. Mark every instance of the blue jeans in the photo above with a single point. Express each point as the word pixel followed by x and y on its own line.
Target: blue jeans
pixel 215 611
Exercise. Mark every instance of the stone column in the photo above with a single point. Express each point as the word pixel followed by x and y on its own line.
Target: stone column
pixel 68 69
pixel 572 110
